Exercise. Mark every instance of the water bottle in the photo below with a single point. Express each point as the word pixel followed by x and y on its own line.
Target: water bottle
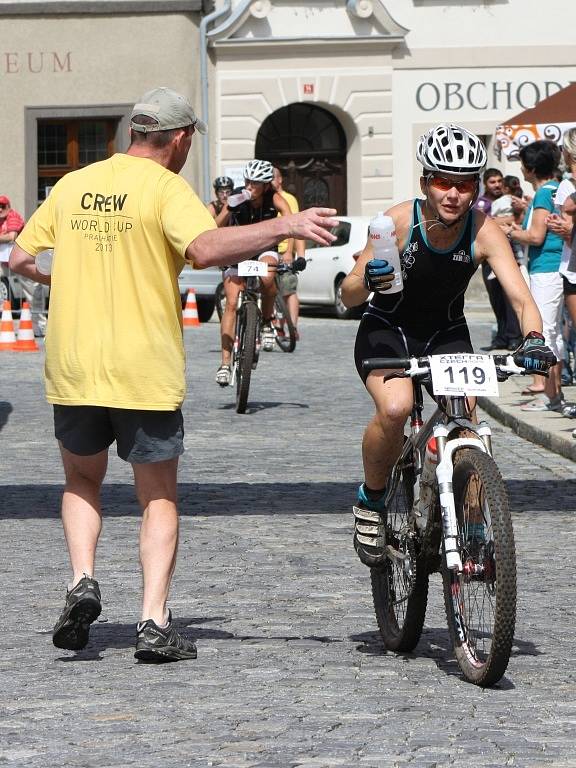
pixel 384 246
pixel 44 262
pixel 239 198
pixel 427 483
pixel 430 462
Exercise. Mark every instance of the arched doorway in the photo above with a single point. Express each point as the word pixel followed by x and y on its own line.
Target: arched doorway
pixel 309 145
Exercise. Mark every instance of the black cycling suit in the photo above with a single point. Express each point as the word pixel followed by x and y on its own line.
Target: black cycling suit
pixel 427 316
pixel 247 214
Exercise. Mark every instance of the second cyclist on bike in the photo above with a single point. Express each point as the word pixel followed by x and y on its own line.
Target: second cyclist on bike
pixel 256 202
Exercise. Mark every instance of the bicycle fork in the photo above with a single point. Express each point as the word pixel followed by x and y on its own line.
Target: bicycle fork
pixel 444 474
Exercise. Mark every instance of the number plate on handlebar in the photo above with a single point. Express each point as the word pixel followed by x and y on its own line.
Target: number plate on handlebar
pixel 463 374
pixel 251 268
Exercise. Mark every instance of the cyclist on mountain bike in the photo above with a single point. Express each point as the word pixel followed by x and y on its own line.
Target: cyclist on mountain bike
pixel 223 186
pixel 262 203
pixel 442 241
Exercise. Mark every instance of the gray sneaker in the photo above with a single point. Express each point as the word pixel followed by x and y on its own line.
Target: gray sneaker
pixel 157 644
pixel 83 606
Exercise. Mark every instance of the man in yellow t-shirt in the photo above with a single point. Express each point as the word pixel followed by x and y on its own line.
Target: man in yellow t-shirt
pixel 121 230
pixel 289 280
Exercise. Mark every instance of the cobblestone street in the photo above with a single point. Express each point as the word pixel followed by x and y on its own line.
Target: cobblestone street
pixel 290 668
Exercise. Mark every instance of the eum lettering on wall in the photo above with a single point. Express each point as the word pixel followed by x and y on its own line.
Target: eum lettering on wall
pixel 35 62
pixel 484 95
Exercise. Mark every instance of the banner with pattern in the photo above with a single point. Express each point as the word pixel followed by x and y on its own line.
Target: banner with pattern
pixel 510 138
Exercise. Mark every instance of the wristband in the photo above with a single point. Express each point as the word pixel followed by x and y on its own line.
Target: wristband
pixel 534 335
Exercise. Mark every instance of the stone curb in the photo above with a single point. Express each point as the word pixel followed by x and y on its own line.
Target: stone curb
pixel 530 432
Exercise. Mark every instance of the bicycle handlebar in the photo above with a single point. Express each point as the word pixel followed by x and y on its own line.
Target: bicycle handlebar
pixel 294 266
pixel 505 366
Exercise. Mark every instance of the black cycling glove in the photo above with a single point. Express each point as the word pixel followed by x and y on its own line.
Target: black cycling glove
pixel 378 275
pixel 534 354
pixel 299 264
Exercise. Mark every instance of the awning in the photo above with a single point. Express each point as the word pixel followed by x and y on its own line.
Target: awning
pixel 549 119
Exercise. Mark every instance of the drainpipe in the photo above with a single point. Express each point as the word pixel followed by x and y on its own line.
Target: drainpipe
pixel 204 86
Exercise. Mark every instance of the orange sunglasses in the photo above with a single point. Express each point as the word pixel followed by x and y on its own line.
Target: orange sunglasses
pixel 442 184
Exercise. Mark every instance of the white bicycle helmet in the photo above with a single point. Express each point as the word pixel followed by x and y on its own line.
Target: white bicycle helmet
pixel 451 149
pixel 259 170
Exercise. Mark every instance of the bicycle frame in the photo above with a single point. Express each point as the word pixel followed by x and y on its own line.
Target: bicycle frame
pixel 250 292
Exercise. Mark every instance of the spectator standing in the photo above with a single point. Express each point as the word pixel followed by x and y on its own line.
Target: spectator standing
pixel 121 230
pixel 288 281
pixel 543 248
pixel 563 225
pixel 508 334
pixel 11 224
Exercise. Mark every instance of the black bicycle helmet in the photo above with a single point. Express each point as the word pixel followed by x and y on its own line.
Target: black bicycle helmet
pixel 223 182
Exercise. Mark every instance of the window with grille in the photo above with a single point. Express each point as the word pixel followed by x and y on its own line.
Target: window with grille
pixel 66 145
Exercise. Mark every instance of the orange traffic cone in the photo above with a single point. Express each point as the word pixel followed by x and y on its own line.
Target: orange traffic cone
pixel 7 335
pixel 190 314
pixel 25 341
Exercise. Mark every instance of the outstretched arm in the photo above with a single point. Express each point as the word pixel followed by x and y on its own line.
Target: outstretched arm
pixel 231 245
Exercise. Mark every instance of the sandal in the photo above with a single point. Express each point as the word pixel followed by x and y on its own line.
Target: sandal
pixel 223 375
pixel 529 390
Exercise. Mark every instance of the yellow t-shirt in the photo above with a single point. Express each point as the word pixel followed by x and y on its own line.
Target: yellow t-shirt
pixel 119 229
pixel 293 203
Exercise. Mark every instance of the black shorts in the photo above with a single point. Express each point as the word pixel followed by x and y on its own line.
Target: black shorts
pixel 569 288
pixel 142 437
pixel 377 338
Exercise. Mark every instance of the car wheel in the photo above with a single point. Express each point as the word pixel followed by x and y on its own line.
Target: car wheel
pixel 205 309
pixel 341 311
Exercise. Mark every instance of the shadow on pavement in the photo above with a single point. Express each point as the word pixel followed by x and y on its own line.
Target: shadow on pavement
pixel 435 644
pixel 5 411
pixel 195 499
pixel 31 501
pixel 540 495
pixel 104 636
pixel 118 635
pixel 263 406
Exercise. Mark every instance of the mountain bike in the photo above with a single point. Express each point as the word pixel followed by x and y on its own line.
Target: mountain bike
pixel 247 340
pixel 447 510
pixel 282 325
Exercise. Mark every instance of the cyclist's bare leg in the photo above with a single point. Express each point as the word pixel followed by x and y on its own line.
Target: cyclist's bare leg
pixel 383 437
pixel 293 305
pixel 232 287
pixel 268 285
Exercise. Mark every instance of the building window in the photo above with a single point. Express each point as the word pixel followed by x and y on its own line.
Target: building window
pixel 66 145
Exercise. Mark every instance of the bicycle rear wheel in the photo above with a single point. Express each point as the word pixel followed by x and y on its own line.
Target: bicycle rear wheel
pixel 400 585
pixel 246 353
pixel 284 331
pixel 220 300
pixel 481 601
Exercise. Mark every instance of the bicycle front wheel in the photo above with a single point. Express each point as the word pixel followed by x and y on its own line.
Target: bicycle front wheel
pixel 481 600
pixel 400 585
pixel 246 354
pixel 284 331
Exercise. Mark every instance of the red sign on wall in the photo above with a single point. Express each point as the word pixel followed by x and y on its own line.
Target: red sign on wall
pixel 308 89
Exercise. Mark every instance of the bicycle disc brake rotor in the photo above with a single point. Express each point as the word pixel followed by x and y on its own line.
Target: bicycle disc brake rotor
pixel 402 557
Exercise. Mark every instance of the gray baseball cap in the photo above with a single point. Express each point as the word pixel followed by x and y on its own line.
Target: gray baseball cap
pixel 170 109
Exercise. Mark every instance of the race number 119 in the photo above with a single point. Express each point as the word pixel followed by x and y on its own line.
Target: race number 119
pixel 463 374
